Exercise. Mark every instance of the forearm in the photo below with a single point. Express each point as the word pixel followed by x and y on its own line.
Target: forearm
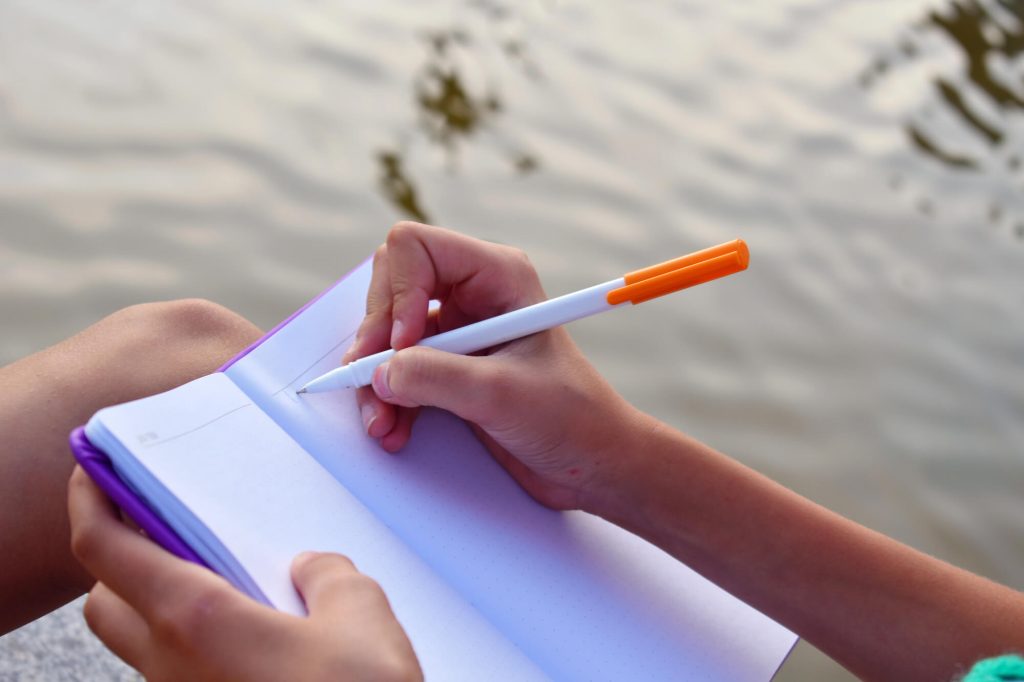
pixel 883 610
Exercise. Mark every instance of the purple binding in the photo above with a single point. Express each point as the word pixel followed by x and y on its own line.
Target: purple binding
pixel 96 463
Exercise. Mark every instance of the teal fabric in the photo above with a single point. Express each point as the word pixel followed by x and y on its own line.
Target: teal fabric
pixel 1000 669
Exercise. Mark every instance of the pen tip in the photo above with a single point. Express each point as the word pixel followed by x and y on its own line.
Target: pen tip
pixel 300 391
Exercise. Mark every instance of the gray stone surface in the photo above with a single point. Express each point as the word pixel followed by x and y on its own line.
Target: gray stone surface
pixel 59 648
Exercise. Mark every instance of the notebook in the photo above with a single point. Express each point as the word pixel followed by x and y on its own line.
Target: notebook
pixel 235 471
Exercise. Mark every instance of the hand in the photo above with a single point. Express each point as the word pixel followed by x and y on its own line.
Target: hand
pixel 174 620
pixel 541 409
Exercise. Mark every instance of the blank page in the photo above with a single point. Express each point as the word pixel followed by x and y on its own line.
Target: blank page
pixel 583 598
pixel 266 500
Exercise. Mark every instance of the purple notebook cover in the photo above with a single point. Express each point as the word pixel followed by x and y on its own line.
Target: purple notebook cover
pixel 96 463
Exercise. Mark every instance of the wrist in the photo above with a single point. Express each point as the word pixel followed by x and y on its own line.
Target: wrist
pixel 619 486
pixel 651 485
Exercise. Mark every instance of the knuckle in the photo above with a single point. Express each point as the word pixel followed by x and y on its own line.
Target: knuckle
pixel 165 623
pixel 363 584
pixel 397 666
pixel 79 481
pixel 335 563
pixel 522 270
pixel 361 588
pixel 402 232
pixel 84 541
pixel 350 580
pixel 517 260
pixel 409 368
pixel 521 258
pixel 93 614
pixel 378 312
pixel 183 622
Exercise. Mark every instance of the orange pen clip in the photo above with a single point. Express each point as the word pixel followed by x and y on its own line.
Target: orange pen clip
pixel 680 273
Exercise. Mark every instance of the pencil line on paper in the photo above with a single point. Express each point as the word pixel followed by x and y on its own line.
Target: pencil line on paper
pixel 315 363
pixel 193 430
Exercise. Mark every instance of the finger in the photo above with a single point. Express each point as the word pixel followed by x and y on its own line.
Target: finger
pixel 349 604
pixel 399 435
pixel 331 586
pixel 474 388
pixel 392 425
pixel 375 330
pixel 139 571
pixel 117 625
pixel 413 279
pixel 183 604
pixel 427 262
pixel 378 416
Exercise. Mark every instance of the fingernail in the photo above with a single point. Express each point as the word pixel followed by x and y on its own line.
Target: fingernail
pixel 381 381
pixel 351 352
pixel 368 414
pixel 396 332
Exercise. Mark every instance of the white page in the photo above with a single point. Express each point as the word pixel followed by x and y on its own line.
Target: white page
pixel 267 500
pixel 582 598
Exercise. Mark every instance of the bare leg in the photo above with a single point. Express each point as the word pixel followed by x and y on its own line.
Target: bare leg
pixel 135 352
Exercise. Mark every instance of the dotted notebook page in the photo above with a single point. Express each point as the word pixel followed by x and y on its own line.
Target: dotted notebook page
pixel 267 500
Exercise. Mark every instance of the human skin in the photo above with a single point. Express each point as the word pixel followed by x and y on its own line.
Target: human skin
pixel 173 620
pixel 132 353
pixel 170 619
pixel 880 608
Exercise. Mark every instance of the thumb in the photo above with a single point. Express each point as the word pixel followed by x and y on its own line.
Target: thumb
pixel 338 595
pixel 473 387
pixel 323 580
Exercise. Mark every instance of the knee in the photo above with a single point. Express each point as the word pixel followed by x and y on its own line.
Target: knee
pixel 189 320
pixel 170 342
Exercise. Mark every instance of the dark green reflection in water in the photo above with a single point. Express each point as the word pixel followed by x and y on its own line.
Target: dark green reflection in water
pixel 397 187
pixel 450 113
pixel 984 33
pixel 981 37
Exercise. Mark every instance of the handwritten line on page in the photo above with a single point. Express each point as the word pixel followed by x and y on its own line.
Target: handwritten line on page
pixel 333 349
pixel 162 441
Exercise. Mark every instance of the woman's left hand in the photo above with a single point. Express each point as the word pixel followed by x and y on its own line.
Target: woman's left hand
pixel 174 620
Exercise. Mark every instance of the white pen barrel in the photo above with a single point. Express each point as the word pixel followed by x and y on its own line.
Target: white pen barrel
pixel 361 370
pixel 525 321
pixel 480 335
pixel 500 329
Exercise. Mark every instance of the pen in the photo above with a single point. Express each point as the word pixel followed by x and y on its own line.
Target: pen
pixel 635 287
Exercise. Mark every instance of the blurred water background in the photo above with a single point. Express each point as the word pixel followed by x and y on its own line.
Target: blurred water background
pixel 869 151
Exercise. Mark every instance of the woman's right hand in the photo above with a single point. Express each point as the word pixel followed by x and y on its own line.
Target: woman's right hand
pixel 538 405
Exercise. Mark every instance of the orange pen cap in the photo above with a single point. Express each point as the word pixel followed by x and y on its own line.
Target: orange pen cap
pixel 681 273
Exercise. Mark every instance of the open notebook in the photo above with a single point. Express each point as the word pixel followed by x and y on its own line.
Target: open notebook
pixel 235 470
